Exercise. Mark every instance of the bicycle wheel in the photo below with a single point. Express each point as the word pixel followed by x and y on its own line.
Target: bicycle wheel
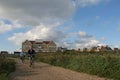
pixel 31 61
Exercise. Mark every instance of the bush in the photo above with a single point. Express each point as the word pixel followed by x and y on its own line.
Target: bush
pixel 104 65
pixel 3 77
pixel 6 67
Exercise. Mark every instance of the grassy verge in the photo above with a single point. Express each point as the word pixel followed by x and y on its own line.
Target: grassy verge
pixel 6 67
pixel 103 65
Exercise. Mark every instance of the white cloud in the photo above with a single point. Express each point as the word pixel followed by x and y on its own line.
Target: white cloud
pixel 83 34
pixel 85 40
pixel 81 40
pixel 84 3
pixel 88 2
pixel 87 43
pixel 4 27
pixel 80 44
pixel 49 33
pixel 45 32
pixel 115 46
pixel 34 12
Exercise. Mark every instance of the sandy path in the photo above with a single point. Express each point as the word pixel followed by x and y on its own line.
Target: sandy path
pixel 42 71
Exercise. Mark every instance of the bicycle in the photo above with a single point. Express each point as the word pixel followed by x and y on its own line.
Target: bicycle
pixel 22 59
pixel 31 60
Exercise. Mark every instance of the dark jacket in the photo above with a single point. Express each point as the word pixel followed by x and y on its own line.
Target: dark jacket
pixel 31 52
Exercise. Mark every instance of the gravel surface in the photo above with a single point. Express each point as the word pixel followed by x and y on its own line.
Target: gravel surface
pixel 42 71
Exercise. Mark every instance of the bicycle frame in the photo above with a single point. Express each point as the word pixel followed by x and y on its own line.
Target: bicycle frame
pixel 22 59
pixel 31 60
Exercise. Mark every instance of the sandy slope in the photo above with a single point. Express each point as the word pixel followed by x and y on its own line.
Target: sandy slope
pixel 42 71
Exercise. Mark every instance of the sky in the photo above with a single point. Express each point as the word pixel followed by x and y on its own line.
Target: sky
pixel 71 24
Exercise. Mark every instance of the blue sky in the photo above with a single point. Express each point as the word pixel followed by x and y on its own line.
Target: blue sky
pixel 70 23
pixel 101 20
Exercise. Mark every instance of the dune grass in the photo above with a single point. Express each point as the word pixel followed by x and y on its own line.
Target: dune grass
pixel 6 67
pixel 103 65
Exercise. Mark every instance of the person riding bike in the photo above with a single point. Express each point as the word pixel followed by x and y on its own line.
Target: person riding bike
pixel 22 57
pixel 31 55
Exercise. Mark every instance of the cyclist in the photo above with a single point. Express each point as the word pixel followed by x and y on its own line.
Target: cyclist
pixel 31 55
pixel 22 56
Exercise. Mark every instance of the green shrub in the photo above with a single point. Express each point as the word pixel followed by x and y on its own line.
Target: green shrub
pixel 101 64
pixel 6 67
pixel 3 77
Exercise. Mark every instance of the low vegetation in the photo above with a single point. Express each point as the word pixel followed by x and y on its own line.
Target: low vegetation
pixel 103 64
pixel 6 67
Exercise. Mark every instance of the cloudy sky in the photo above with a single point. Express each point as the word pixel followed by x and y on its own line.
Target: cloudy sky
pixel 70 23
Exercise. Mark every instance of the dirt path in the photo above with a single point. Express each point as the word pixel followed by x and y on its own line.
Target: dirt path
pixel 42 71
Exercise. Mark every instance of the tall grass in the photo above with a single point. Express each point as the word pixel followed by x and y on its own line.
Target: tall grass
pixel 6 67
pixel 104 65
